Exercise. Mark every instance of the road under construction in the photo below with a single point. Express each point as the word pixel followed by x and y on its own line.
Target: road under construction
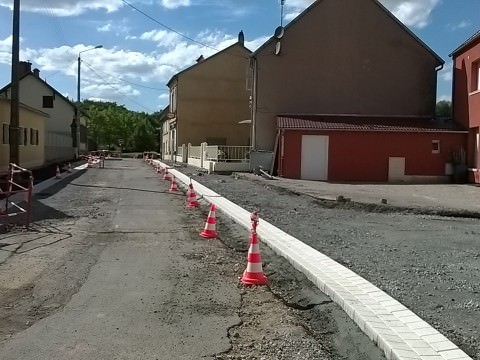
pixel 140 260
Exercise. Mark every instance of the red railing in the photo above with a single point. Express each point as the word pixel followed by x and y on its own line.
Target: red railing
pixel 13 194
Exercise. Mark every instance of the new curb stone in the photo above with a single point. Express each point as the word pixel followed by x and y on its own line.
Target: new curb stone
pixel 399 332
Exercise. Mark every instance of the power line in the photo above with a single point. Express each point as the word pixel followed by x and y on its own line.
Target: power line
pixel 115 88
pixel 178 32
pixel 168 27
pixel 128 82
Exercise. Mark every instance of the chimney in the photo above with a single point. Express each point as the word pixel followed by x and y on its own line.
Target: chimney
pixel 24 67
pixel 241 37
pixel 200 58
pixel 36 72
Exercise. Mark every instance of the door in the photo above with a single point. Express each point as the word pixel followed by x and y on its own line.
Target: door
pixel 314 164
pixel 396 168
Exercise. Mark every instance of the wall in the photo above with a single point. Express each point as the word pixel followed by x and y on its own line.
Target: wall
pixel 59 143
pixel 466 101
pixel 364 64
pixel 213 98
pixel 363 156
pixel 31 156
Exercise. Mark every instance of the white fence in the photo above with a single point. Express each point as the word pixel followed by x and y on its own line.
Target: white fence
pixel 215 157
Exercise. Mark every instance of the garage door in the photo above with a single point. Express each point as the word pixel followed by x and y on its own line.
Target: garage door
pixel 314 157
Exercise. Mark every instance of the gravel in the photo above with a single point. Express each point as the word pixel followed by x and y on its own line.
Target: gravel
pixel 431 264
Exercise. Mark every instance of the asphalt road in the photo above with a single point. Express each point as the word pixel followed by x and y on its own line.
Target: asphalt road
pixel 147 294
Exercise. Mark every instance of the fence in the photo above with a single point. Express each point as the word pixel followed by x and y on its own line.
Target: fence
pixel 228 153
pixel 13 191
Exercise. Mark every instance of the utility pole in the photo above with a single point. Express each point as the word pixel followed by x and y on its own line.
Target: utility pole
pixel 14 98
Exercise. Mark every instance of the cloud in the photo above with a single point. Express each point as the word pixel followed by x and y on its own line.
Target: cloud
pixel 111 73
pixel 446 75
pixel 173 4
pixel 415 13
pixel 461 25
pixel 163 38
pixel 65 7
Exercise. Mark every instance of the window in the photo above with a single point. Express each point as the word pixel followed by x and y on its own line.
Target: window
pixel 32 136
pixel 476 76
pixel 435 146
pixel 25 136
pixel 48 102
pixel 6 134
pixel 173 99
pixel 20 136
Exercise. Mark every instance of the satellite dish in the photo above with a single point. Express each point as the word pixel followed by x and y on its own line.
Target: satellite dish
pixel 278 47
pixel 279 31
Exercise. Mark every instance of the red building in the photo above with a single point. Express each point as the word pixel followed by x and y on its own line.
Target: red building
pixel 466 95
pixel 367 149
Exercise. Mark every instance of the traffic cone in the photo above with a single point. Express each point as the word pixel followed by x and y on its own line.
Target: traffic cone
pixel 253 275
pixel 157 169
pixel 69 168
pixel 192 197
pixel 166 176
pixel 209 231
pixel 173 185
pixel 57 173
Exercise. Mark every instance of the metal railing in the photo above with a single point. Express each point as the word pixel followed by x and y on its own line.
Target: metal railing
pixel 228 153
pixel 195 152
pixel 14 193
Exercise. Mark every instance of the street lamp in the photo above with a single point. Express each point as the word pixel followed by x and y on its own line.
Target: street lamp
pixel 77 120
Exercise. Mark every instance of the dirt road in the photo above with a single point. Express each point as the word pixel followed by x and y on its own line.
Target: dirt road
pixel 114 269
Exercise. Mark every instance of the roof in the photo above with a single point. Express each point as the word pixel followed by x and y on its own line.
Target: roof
pixel 318 2
pixel 366 123
pixel 467 43
pixel 205 60
pixel 6 87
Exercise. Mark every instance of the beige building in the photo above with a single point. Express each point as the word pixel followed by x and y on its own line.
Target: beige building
pixel 32 136
pixel 38 94
pixel 208 100
pixel 342 57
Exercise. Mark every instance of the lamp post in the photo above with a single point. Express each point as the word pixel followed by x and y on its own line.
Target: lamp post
pixel 77 117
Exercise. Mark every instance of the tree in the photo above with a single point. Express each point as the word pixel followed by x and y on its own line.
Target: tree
pixel 444 109
pixel 109 124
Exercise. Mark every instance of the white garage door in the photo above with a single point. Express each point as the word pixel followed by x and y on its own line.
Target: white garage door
pixel 314 157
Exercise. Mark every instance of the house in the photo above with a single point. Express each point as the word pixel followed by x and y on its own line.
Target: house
pixel 346 92
pixel 60 127
pixel 466 95
pixel 208 100
pixel 32 136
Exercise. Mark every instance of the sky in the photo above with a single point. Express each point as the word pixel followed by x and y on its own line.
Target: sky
pixel 145 42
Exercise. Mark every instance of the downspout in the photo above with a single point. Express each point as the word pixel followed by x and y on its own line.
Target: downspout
pixel 437 70
pixel 254 102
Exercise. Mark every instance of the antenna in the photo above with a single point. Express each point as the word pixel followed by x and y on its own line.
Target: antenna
pixel 282 4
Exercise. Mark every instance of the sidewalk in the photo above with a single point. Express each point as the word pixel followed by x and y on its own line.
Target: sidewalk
pixel 459 198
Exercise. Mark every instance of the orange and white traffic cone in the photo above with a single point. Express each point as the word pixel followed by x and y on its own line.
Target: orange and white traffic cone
pixel 57 173
pixel 173 185
pixel 192 197
pixel 210 232
pixel 157 169
pixel 253 275
pixel 166 176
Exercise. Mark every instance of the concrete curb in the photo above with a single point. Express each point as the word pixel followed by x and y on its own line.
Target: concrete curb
pixel 399 332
